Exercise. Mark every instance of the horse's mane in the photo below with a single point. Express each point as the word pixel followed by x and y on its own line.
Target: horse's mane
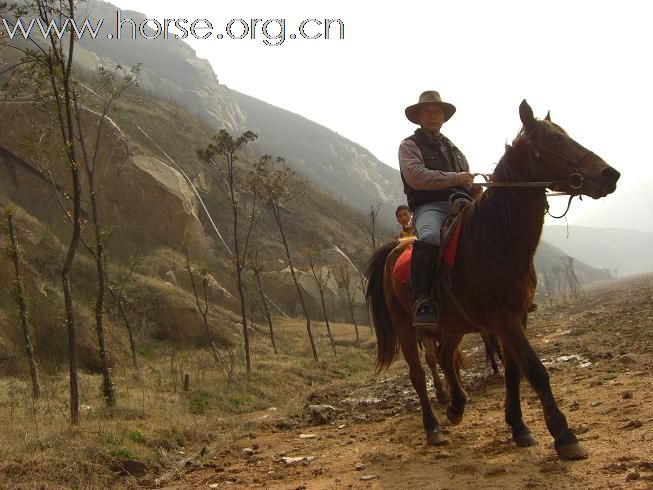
pixel 505 170
pixel 493 218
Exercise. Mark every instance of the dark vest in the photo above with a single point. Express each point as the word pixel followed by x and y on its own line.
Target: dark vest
pixel 438 154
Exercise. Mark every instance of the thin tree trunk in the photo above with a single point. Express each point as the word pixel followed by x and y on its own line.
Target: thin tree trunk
pixel 277 217
pixel 243 314
pixel 58 66
pixel 353 320
pixel 22 309
pixel 132 343
pixel 68 298
pixel 239 270
pixel 326 320
pixel 266 311
pixel 107 383
pixel 72 349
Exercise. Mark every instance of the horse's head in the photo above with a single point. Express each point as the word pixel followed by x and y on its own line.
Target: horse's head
pixel 556 157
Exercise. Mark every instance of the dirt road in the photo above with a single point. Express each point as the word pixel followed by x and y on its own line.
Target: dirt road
pixel 599 352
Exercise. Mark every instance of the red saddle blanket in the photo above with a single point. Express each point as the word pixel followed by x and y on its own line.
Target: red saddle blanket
pixel 401 270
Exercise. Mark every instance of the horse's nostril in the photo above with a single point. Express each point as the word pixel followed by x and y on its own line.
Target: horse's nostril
pixel 610 173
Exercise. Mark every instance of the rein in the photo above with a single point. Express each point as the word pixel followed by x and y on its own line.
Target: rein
pixel 575 179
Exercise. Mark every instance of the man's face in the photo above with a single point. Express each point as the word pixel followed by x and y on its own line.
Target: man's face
pixel 431 118
pixel 403 217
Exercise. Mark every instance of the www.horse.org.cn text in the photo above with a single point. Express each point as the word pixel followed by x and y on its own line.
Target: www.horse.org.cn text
pixel 271 32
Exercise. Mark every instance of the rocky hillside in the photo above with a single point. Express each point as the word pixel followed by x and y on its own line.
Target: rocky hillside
pixel 337 165
pixel 149 207
pixel 170 70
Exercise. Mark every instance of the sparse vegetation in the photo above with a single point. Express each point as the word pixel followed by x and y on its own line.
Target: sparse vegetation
pixel 153 422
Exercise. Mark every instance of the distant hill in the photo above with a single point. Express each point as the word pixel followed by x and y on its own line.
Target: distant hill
pixel 337 165
pixel 172 72
pixel 549 258
pixel 627 251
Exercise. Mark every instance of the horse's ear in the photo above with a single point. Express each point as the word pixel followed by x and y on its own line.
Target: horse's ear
pixel 526 115
pixel 548 116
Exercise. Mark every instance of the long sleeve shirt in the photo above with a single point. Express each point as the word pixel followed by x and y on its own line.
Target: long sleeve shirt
pixel 411 165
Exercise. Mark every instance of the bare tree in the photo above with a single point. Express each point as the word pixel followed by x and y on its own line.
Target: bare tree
pixel 225 147
pixel 369 226
pixel 281 185
pixel 256 266
pixel 321 276
pixel 47 77
pixel 46 73
pixel 227 362
pixel 556 275
pixel 15 253
pixel 109 86
pixel 549 286
pixel 573 284
pixel 344 273
pixel 361 285
pixel 117 292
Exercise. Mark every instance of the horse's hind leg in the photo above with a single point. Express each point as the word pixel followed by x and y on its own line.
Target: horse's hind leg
pixel 516 345
pixel 430 353
pixel 491 348
pixel 408 340
pixel 450 363
pixel 521 434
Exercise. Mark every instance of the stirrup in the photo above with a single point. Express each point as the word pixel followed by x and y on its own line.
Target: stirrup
pixel 426 327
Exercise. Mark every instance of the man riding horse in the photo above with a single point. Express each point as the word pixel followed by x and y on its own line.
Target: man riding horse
pixel 432 169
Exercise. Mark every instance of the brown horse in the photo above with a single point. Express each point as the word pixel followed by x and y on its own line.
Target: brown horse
pixel 494 278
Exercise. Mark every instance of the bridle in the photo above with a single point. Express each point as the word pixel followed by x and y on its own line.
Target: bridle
pixel 575 180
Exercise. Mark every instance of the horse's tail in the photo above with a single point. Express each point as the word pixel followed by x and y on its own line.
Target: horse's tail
pixel 387 344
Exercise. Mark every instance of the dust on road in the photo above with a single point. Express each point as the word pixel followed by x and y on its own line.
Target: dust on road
pixel 599 352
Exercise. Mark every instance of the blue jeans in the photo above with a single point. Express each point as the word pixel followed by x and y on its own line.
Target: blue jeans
pixel 428 219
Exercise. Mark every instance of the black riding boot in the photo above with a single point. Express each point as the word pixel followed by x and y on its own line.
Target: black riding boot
pixel 422 269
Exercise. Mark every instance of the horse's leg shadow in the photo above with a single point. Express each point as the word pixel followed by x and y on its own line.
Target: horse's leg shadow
pixel 408 341
pixel 431 356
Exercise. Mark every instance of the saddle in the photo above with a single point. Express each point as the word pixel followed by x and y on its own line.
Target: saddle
pixel 449 239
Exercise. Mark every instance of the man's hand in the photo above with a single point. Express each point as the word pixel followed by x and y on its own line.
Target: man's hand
pixel 464 179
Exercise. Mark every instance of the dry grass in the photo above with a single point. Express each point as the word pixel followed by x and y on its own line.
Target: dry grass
pixel 155 422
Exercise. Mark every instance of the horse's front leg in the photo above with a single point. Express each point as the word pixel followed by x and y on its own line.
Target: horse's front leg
pixel 510 330
pixel 521 434
pixel 449 362
pixel 408 341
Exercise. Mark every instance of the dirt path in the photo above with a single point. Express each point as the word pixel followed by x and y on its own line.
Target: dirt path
pixel 600 356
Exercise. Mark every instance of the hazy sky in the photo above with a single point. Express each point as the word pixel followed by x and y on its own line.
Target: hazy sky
pixel 586 61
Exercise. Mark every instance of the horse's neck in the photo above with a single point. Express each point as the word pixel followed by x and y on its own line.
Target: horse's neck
pixel 513 217
pixel 523 211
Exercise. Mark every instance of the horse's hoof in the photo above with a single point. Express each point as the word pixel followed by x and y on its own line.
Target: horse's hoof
pixel 454 417
pixel 436 438
pixel 525 439
pixel 443 398
pixel 572 451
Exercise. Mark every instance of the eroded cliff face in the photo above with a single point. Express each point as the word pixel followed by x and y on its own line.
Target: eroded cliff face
pixel 170 69
pixel 145 202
